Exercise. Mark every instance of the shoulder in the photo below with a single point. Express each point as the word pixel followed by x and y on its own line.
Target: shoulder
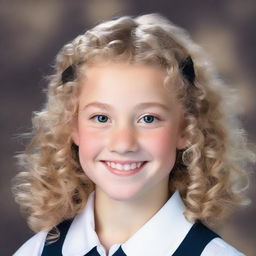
pixel 33 246
pixel 218 247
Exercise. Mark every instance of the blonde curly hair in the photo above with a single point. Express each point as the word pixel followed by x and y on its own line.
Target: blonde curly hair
pixel 210 173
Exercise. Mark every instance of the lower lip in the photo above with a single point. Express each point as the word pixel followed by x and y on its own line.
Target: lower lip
pixel 124 172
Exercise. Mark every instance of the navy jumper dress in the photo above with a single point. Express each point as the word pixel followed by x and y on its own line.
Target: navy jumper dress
pixel 193 244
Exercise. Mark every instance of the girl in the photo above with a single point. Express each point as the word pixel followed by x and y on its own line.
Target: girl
pixel 137 150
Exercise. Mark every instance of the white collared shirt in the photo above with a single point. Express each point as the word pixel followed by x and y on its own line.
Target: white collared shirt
pixel 160 236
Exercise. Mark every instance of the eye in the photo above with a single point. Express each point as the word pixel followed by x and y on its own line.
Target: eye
pixel 100 118
pixel 103 118
pixel 150 118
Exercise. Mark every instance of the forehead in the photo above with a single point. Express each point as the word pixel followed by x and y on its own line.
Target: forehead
pixel 124 78
pixel 109 68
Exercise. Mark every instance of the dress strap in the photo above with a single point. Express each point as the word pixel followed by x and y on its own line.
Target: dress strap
pixel 195 241
pixel 55 249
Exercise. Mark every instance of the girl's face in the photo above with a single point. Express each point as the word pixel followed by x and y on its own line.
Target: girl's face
pixel 125 114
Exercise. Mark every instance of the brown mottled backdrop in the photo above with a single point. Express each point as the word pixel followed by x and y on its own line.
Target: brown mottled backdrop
pixel 32 32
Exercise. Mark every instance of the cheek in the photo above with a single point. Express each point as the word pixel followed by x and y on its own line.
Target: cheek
pixel 161 143
pixel 89 144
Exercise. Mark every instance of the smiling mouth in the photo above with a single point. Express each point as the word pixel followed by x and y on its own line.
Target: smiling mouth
pixel 125 169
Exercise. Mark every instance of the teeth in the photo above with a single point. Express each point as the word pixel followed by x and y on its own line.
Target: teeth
pixel 124 166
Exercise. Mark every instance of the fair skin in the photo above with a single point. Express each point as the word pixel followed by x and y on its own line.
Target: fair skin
pixel 127 130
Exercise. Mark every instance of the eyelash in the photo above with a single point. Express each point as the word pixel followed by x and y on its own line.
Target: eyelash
pixel 155 117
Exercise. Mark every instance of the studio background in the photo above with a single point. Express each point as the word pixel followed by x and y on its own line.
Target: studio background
pixel 32 32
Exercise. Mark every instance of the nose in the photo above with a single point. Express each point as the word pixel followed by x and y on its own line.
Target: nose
pixel 123 139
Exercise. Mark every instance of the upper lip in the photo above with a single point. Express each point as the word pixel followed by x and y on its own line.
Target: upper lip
pixel 122 162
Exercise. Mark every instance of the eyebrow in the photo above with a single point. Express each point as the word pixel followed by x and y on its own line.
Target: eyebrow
pixel 138 106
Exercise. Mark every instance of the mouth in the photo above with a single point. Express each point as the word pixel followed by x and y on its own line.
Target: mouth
pixel 124 169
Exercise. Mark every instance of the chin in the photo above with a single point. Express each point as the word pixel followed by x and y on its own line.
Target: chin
pixel 122 194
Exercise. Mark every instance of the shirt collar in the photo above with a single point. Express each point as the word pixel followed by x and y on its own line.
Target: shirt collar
pixel 81 236
pixel 161 235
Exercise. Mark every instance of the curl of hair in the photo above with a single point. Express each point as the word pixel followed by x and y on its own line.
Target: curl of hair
pixel 210 173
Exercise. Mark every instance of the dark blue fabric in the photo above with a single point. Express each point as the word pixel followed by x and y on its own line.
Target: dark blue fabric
pixel 195 241
pixel 94 252
pixel 55 248
pixel 119 252
pixel 192 245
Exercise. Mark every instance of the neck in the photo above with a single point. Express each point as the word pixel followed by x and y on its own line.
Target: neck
pixel 122 218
